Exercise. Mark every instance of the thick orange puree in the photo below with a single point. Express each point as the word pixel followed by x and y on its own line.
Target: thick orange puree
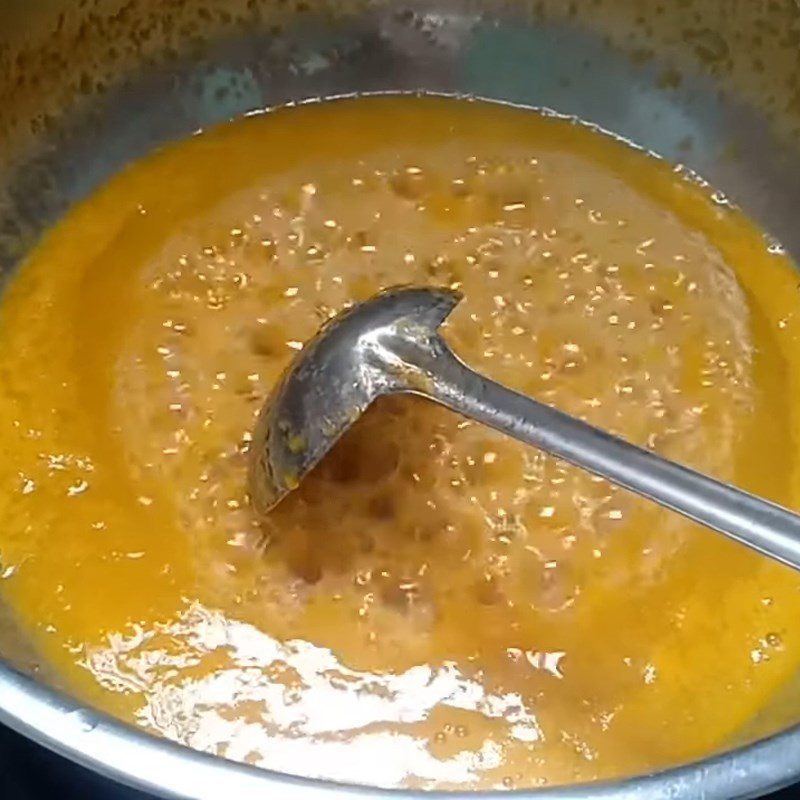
pixel 437 605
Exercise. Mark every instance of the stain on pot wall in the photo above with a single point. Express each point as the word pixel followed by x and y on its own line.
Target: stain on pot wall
pixel 85 87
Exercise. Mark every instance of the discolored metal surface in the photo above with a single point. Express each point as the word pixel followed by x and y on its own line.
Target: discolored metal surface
pixel 87 86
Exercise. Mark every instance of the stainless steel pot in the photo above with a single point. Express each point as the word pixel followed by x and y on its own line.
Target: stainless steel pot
pixel 85 87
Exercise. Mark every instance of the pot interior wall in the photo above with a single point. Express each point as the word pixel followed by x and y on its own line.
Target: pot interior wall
pixel 84 88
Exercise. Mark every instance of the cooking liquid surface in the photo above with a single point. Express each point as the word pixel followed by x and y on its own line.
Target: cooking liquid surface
pixel 438 605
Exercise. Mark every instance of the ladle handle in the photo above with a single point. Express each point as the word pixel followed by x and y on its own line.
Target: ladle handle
pixel 760 524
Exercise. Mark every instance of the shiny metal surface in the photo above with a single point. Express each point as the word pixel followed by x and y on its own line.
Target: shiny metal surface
pixel 85 87
pixel 350 363
pixel 171 771
pixel 168 770
pixel 390 344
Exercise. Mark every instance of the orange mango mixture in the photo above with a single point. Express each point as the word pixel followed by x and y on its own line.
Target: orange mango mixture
pixel 437 606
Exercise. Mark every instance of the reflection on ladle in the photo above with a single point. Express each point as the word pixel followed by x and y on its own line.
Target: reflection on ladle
pixel 390 344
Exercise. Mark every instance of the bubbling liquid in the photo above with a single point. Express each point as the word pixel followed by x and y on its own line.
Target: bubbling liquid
pixel 437 605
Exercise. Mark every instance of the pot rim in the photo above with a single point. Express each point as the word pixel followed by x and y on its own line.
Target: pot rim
pixel 131 756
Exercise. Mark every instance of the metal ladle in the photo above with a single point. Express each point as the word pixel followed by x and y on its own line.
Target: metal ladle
pixel 390 344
